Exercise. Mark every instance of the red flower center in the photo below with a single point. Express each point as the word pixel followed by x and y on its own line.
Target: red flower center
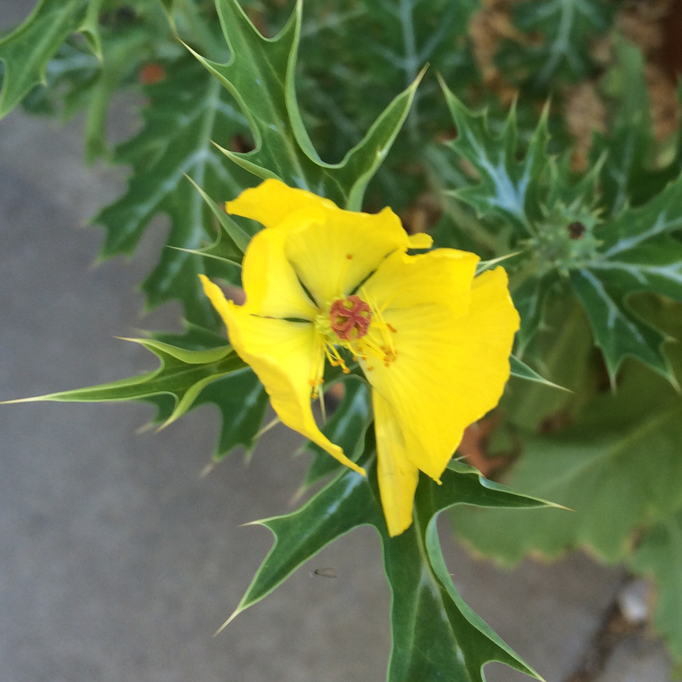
pixel 350 318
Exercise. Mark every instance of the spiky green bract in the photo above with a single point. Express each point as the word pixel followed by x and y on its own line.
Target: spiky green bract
pixel 521 370
pixel 435 634
pixel 618 467
pixel 28 49
pixel 261 77
pixel 187 112
pixel 659 556
pixel 185 379
pixel 557 219
pixel 563 32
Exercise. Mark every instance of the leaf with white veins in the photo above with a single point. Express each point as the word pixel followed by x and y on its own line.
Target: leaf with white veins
pixel 188 111
pixel 27 50
pixel 260 76
pixel 435 634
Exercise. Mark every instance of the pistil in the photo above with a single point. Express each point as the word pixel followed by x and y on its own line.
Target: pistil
pixel 355 323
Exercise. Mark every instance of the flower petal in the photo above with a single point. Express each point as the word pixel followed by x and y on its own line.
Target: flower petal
pixel 443 276
pixel 334 257
pixel 449 371
pixel 421 240
pixel 272 202
pixel 271 285
pixel 282 354
pixel 398 477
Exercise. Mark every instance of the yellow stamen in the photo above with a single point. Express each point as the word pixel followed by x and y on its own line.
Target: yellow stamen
pixel 317 369
pixel 382 347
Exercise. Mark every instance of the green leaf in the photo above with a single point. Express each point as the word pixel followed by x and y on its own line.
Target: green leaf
pixel 628 146
pixel 182 375
pixel 27 50
pixel 521 183
pixel 187 378
pixel 69 78
pixel 659 555
pixel 557 220
pixel 187 112
pixel 435 634
pixel 637 167
pixel 90 27
pixel 568 29
pixel 239 396
pixel 619 468
pixel 345 83
pixel 521 370
pixel 122 53
pixel 232 240
pixel 399 37
pixel 261 77
pixel 507 185
pixel 636 253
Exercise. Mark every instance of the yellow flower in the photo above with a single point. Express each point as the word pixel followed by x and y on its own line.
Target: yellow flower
pixel 327 284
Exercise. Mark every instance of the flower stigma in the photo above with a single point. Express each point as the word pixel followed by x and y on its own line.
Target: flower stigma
pixel 355 323
pixel 350 318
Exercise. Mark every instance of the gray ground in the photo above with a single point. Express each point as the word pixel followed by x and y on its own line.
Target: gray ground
pixel 117 561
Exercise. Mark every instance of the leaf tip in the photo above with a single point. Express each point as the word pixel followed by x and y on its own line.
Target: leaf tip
pixel 236 612
pixel 16 401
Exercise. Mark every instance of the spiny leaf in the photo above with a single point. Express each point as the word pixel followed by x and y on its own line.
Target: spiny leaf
pixel 632 173
pixel 182 374
pixel 568 27
pixel 27 50
pixel 619 468
pixel 525 186
pixel 200 370
pixel 69 78
pixel 659 555
pixel 435 634
pixel 560 224
pixel 231 242
pixel 507 186
pixel 239 396
pixel 399 37
pixel 85 74
pixel 629 143
pixel 637 253
pixel 346 83
pixel 521 370
pixel 188 111
pixel 261 76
